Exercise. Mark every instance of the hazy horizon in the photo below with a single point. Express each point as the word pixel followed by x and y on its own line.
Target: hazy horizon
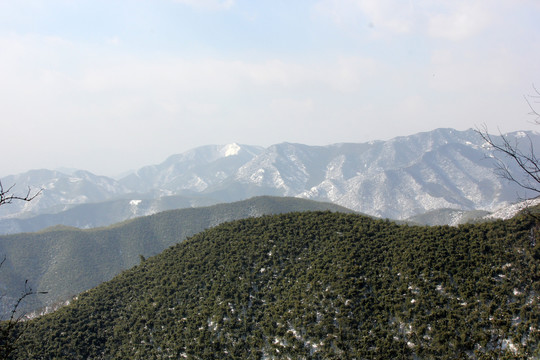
pixel 119 175
pixel 113 86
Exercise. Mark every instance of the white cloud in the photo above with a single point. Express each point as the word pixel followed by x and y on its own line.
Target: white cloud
pixel 292 106
pixel 208 4
pixel 459 21
pixel 381 15
pixel 453 20
pixel 114 40
pixel 118 105
pixel 350 74
pixel 493 69
pixel 390 15
pixel 124 102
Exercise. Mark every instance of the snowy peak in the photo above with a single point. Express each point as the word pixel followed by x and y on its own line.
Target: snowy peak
pixel 194 170
pixel 230 150
pixel 286 167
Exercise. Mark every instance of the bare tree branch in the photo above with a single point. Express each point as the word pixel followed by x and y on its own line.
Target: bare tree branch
pixel 522 155
pixel 527 162
pixel 535 99
pixel 7 197
pixel 9 334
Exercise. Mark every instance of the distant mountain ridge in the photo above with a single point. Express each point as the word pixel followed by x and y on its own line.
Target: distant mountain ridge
pixel 398 178
pixel 195 170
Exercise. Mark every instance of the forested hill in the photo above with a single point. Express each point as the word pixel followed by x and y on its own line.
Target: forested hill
pixel 65 261
pixel 314 285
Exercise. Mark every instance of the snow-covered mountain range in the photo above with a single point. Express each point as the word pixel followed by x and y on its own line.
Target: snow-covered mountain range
pixel 397 179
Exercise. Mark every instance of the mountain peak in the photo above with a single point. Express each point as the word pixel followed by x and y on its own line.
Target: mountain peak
pixel 230 149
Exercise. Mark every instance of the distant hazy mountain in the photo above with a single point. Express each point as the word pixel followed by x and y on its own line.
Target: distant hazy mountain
pixel 91 215
pixel 65 261
pixel 60 191
pixel 195 170
pixel 398 178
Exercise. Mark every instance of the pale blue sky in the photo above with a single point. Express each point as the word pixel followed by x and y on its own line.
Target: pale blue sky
pixel 109 86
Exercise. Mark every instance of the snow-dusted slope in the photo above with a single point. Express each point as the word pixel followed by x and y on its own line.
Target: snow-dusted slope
pixel 194 170
pixel 398 178
pixel 508 212
pixel 60 191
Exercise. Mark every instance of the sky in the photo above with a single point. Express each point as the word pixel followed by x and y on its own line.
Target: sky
pixel 111 86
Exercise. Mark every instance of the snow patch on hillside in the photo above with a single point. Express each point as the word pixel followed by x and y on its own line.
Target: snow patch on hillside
pixel 230 150
pixel 509 212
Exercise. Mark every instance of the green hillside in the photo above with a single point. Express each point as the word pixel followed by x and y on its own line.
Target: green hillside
pixel 313 285
pixel 65 261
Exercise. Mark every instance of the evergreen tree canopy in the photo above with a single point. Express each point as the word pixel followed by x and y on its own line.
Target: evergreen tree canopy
pixel 312 285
